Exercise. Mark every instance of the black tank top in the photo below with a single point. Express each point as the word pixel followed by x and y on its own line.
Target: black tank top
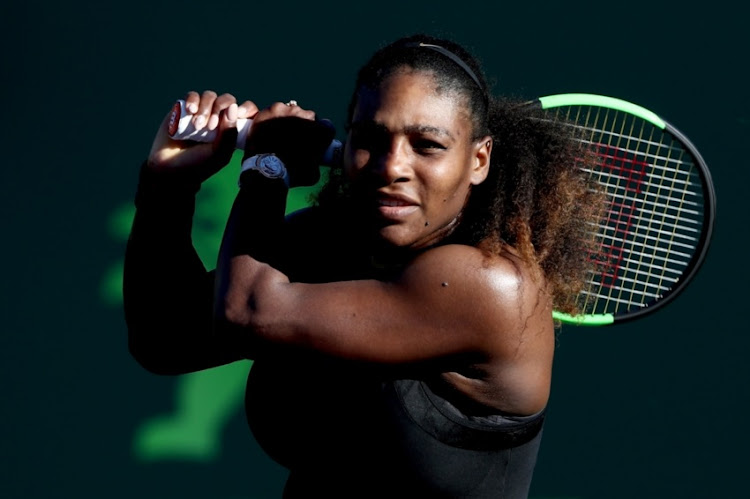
pixel 344 434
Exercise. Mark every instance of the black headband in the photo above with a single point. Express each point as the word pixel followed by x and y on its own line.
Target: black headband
pixel 453 57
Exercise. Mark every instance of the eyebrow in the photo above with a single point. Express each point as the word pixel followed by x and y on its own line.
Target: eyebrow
pixel 408 129
pixel 427 129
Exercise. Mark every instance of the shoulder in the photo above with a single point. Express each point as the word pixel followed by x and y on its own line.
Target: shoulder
pixel 503 275
pixel 499 293
pixel 506 311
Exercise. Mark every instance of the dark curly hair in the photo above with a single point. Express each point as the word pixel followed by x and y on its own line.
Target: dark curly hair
pixel 536 197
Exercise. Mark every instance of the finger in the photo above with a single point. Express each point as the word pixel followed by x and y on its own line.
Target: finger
pixel 247 110
pixel 226 140
pixel 304 113
pixel 300 112
pixel 192 99
pixel 279 109
pixel 221 103
pixel 228 119
pixel 204 109
pixel 232 113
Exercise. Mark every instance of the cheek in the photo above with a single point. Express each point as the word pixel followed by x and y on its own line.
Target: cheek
pixel 354 161
pixel 449 184
pixel 360 158
pixel 457 197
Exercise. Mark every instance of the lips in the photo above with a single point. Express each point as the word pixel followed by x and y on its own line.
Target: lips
pixel 395 206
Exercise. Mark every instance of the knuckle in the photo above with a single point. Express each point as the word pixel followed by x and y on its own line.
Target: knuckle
pixel 226 99
pixel 278 107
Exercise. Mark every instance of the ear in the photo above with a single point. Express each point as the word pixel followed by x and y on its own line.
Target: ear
pixel 482 153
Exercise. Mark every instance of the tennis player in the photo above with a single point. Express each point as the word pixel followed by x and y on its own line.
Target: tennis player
pixel 401 327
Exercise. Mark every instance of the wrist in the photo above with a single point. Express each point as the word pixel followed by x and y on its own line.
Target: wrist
pixel 159 184
pixel 267 165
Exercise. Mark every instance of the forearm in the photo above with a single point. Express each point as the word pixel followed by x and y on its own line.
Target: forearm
pixel 168 294
pixel 255 228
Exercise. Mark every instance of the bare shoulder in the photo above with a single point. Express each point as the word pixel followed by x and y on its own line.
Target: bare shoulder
pixel 507 308
pixel 503 280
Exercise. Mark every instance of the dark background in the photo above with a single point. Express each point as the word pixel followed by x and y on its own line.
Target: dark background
pixel 654 408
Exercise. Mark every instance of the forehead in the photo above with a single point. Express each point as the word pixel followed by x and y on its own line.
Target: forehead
pixel 409 98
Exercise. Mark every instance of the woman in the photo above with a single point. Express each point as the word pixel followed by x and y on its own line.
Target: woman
pixel 401 328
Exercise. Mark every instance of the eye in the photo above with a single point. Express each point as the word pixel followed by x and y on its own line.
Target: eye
pixel 369 139
pixel 427 146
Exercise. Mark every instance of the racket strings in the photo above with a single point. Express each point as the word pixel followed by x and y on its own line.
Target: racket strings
pixel 655 216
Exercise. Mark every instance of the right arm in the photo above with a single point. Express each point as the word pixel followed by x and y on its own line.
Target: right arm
pixel 168 294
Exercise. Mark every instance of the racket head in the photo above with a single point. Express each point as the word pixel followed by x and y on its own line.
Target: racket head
pixel 661 207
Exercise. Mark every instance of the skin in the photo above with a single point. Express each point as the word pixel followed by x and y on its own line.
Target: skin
pixel 412 162
pixel 215 112
pixel 413 169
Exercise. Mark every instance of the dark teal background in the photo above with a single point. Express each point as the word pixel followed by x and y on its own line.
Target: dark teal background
pixel 655 408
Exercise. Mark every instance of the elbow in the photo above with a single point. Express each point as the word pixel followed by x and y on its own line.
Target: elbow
pixel 255 309
pixel 236 311
pixel 249 315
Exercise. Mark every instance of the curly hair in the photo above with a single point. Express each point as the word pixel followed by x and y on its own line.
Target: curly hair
pixel 536 197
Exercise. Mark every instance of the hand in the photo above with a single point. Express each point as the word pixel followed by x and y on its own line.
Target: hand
pixel 293 134
pixel 217 112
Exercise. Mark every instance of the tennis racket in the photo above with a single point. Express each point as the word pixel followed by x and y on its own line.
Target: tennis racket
pixel 661 210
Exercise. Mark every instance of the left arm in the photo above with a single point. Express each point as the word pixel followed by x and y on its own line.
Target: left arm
pixel 447 302
pixel 256 222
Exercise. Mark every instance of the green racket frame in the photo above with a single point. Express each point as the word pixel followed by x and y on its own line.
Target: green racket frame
pixel 695 163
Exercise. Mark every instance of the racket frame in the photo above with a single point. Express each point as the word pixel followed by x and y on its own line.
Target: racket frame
pixel 709 204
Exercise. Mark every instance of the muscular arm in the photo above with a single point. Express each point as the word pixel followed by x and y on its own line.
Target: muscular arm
pixel 452 306
pixel 422 315
pixel 168 294
pixel 451 300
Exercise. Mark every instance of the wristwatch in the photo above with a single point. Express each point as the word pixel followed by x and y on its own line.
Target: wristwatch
pixel 269 165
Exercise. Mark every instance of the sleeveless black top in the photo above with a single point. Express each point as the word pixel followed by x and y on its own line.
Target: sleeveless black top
pixel 345 433
pixel 346 430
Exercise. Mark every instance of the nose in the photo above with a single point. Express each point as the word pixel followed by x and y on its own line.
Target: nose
pixel 393 164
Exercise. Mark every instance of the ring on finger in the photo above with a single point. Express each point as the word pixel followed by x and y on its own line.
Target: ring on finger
pixel 292 103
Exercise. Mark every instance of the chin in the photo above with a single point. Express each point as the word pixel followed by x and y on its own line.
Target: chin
pixel 399 238
pixel 393 236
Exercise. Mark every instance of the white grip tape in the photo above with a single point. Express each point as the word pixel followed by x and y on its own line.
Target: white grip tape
pixel 180 126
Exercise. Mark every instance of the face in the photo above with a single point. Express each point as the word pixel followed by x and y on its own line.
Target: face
pixel 411 159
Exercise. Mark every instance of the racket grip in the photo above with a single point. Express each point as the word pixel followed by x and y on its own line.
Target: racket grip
pixel 180 127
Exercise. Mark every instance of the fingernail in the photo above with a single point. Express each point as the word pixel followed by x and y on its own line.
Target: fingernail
pixel 213 121
pixel 200 120
pixel 232 112
pixel 192 108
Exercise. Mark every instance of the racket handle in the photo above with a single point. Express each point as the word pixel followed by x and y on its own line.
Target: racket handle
pixel 180 127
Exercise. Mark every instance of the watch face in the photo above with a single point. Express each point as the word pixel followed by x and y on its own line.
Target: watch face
pixel 271 166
